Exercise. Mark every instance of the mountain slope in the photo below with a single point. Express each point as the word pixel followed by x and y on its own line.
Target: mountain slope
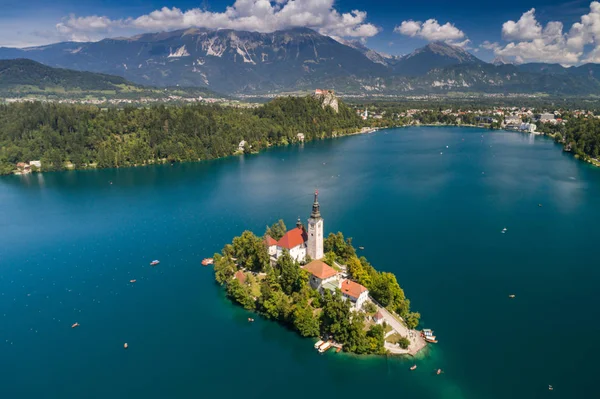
pixel 27 77
pixel 433 56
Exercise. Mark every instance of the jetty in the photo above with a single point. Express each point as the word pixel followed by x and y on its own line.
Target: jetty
pixel 417 341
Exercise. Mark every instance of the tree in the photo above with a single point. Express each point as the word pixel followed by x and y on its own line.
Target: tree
pixel 412 320
pixel 251 251
pixel 342 248
pixel 403 342
pixel 290 273
pixel 304 321
pixel 241 294
pixel 358 272
pixel 224 268
pixel 277 230
pixel 330 258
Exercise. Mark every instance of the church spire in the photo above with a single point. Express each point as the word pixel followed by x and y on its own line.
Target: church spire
pixel 316 213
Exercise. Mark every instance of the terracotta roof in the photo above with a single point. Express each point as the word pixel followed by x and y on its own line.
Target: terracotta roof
pixel 378 315
pixel 270 241
pixel 240 276
pixel 320 269
pixel 292 238
pixel 352 289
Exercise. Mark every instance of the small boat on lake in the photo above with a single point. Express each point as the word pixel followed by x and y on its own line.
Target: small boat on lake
pixel 250 320
pixel 154 262
pixel 207 261
pixel 550 388
pixel 125 345
pixel 361 247
pixel 413 367
pixel 439 371
pixel 511 296
pixel 75 325
pixel 319 343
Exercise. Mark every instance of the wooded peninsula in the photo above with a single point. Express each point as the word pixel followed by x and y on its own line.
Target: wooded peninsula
pixel 79 136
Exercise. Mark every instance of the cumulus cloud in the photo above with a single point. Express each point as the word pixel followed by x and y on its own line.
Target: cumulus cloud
pixel 251 15
pixel 530 41
pixel 526 28
pixel 431 30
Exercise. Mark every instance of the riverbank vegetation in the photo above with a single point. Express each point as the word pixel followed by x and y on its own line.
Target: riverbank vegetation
pixel 79 136
pixel 282 293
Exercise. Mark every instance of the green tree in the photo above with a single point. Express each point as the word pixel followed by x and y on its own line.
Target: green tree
pixel 224 268
pixel 304 321
pixel 241 294
pixel 277 230
pixel 251 252
pixel 290 273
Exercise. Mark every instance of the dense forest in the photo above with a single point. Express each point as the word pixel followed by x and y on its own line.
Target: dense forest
pixel 282 293
pixel 79 136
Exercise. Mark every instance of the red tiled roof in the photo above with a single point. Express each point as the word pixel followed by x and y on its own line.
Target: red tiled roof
pixel 270 241
pixel 378 315
pixel 352 289
pixel 320 269
pixel 240 276
pixel 292 238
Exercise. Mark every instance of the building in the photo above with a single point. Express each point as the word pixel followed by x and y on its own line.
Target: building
pixel 23 168
pixel 544 118
pixel 294 241
pixel 354 292
pixel 378 317
pixel 37 164
pixel 315 231
pixel 300 136
pixel 321 274
pixel 299 241
pixel 240 276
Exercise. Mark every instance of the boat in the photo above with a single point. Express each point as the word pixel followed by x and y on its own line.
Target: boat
pixel 427 334
pixel 439 371
pixel 319 343
pixel 132 281
pixel 361 247
pixel 75 325
pixel 540 205
pixel 413 367
pixel 125 345
pixel 511 296
pixel 250 320
pixel 207 261
pixel 325 347
pixel 154 262
pixel 550 388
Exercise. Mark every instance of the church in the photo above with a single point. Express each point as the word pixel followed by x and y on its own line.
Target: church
pixel 301 242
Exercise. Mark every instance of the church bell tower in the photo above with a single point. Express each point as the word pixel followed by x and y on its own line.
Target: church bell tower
pixel 315 231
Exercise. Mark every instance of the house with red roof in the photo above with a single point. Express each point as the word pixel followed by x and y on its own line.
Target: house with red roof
pixel 322 275
pixel 354 292
pixel 294 241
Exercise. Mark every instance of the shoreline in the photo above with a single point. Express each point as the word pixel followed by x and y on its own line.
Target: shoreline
pixel 164 161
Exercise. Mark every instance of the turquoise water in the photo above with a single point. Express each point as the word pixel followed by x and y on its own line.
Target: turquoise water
pixel 70 242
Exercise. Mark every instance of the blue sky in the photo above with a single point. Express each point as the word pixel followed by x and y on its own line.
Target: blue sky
pixel 546 34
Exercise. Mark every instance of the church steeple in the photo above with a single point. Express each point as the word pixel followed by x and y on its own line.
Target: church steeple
pixel 314 244
pixel 316 212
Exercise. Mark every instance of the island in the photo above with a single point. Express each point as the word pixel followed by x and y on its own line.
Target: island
pixel 319 287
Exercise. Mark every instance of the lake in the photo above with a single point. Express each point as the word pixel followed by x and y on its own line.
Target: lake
pixel 427 203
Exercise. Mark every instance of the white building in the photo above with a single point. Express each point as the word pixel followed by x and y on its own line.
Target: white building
pixel 354 292
pixel 299 242
pixel 320 274
pixel 294 241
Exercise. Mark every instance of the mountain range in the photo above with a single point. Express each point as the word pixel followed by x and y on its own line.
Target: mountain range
pixel 239 62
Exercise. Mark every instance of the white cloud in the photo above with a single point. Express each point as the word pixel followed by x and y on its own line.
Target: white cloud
pixel 533 42
pixel 251 15
pixel 487 45
pixel 526 28
pixel 431 30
